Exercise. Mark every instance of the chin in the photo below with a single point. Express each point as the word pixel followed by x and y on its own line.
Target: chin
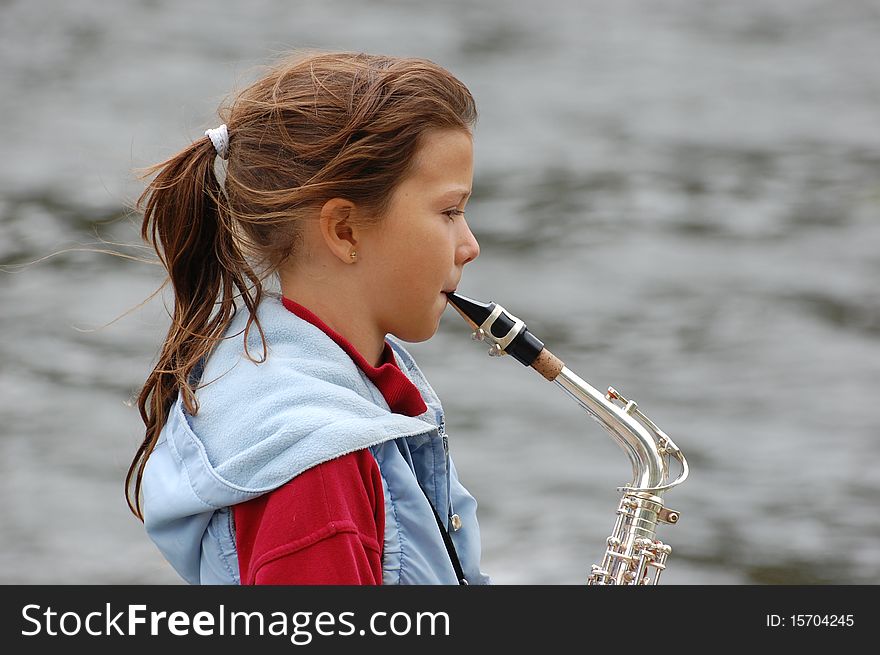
pixel 416 336
pixel 424 327
pixel 418 333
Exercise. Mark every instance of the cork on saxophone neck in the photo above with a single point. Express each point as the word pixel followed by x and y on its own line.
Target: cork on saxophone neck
pixel 548 364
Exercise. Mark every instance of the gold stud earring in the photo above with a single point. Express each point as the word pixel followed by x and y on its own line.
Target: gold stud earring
pixel 353 255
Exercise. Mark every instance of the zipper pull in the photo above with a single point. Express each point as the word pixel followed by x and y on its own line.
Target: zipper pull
pixel 442 430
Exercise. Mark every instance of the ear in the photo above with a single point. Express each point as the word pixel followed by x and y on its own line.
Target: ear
pixel 337 229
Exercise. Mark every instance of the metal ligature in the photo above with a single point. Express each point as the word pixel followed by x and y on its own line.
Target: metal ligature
pixel 633 555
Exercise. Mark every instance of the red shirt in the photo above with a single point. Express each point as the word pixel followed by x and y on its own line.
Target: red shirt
pixel 326 525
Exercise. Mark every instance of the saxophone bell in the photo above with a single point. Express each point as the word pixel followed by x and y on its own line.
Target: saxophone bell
pixel 633 555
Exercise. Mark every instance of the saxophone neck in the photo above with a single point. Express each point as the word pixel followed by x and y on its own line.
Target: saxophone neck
pixel 647 447
pixel 642 449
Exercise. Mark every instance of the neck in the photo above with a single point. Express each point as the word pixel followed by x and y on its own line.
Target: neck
pixel 342 310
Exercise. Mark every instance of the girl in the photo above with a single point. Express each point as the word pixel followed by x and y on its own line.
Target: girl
pixel 290 438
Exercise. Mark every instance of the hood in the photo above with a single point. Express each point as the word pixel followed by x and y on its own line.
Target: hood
pixel 258 425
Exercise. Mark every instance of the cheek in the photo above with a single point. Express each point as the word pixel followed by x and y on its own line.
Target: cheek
pixel 429 259
pixel 419 261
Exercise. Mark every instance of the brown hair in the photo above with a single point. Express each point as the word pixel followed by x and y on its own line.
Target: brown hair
pixel 315 126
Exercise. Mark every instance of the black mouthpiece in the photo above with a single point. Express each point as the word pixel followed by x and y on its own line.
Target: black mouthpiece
pixel 525 347
pixel 471 310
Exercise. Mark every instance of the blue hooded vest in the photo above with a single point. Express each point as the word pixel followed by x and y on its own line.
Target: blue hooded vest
pixel 260 424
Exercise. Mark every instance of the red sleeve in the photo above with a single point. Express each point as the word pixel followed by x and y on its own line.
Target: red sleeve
pixel 325 526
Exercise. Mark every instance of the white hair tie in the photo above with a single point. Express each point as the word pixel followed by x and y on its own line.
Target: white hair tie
pixel 220 138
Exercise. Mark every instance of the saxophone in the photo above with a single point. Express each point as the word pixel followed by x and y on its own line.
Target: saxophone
pixel 633 555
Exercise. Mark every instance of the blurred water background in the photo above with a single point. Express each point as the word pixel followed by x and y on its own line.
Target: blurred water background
pixel 681 199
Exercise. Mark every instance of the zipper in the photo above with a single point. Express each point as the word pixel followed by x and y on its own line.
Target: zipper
pixel 454 519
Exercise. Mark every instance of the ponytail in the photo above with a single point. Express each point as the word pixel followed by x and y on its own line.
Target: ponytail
pixel 187 221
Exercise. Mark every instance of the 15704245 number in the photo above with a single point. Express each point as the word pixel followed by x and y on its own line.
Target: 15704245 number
pixel 823 620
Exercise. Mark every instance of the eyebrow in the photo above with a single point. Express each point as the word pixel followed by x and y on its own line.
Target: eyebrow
pixel 460 193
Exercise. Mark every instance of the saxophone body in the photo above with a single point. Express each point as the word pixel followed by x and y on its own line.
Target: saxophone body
pixel 633 554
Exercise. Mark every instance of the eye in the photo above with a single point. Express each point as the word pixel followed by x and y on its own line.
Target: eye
pixel 452 213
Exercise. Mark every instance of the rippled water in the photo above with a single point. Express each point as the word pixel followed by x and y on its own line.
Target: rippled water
pixel 681 200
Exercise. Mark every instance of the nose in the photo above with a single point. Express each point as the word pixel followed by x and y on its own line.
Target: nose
pixel 468 248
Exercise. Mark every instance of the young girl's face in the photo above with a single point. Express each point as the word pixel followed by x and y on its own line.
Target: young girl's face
pixel 421 245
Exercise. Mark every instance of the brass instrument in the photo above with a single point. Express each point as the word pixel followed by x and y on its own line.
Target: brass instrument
pixel 633 555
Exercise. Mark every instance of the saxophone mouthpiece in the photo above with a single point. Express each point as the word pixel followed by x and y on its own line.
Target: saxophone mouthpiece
pixel 506 334
pixel 472 311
